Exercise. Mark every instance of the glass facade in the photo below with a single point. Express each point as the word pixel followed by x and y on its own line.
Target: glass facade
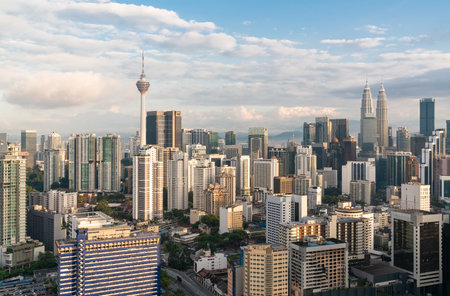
pixel 429 247
pixel 404 245
pixel 427 116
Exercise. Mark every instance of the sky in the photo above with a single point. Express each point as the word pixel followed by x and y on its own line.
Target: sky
pixel 71 66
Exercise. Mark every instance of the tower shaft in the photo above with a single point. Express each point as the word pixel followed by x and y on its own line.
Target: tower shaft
pixel 143 132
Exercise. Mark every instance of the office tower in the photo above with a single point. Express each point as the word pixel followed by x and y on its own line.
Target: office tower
pixel 366 108
pixel 279 209
pixel 230 138
pixel 231 151
pixel 202 174
pixel 415 196
pixel 357 170
pixel 28 144
pixel 426 116
pixel 290 232
pixel 429 165
pixel 382 118
pixel 351 231
pixel 412 172
pixel 54 200
pixel 110 262
pixel 215 197
pixel 266 270
pixel 403 139
pixel 447 138
pixel 397 168
pixel 283 185
pixel 200 136
pixel 258 139
pixel 3 142
pixel 43 145
pixel 143 85
pixel 362 190
pixel 165 155
pixel 134 143
pixel 318 265
pixel 164 128
pixel 213 142
pixel 88 220
pixel 235 278
pixel 147 185
pixel 335 156
pixel 283 157
pixel 348 150
pixel 243 175
pixel 390 137
pixel 369 136
pixel 417 248
pixel 264 170
pixel 109 156
pixel 54 167
pixel 417 144
pixel 45 226
pixel 340 129
pixel 230 218
pixel 82 162
pixel 330 177
pixel 54 141
pixel 323 130
pixel 306 163
pixel 227 179
pixel 302 184
pixel 12 198
pixel 178 178
pixel 309 133
pixel 314 197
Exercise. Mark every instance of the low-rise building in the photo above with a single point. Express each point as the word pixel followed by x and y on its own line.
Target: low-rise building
pixel 211 262
pixel 196 215
pixel 230 218
pixel 21 254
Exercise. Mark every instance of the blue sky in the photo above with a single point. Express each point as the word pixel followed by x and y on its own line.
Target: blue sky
pixel 71 66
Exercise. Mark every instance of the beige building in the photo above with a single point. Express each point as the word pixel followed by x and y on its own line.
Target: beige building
pixel 215 198
pixel 230 218
pixel 295 231
pixel 196 215
pixel 266 270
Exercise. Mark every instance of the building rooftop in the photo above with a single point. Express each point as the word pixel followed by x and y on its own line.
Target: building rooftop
pixel 315 241
pixel 378 269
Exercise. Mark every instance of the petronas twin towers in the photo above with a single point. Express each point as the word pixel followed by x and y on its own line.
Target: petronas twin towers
pixel 374 127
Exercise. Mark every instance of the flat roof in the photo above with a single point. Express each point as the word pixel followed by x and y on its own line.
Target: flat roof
pixel 378 269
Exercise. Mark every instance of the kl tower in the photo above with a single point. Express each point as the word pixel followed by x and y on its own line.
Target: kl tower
pixel 143 85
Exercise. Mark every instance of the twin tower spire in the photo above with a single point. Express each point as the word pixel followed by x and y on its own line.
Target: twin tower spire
pixel 381 114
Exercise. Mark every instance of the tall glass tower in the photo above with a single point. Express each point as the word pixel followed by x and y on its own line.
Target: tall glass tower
pixel 427 116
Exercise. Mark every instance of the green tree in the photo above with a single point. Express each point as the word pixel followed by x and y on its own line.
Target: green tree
pixel 103 206
pixel 211 220
pixel 165 280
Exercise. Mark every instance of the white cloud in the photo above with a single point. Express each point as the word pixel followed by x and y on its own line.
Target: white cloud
pixel 359 42
pixel 246 114
pixel 375 29
pixel 246 22
pixel 412 38
pixel 303 111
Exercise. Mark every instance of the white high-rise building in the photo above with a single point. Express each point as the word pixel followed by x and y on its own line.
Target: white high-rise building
pixel 243 175
pixel 366 108
pixel 178 175
pixel 54 141
pixel 143 85
pixel 61 201
pixel 230 218
pixel 357 170
pixel 382 118
pixel 202 174
pixel 286 208
pixel 403 139
pixel 54 167
pixel 314 197
pixel 415 196
pixel 264 170
pixel 434 149
pixel 306 163
pixel 147 185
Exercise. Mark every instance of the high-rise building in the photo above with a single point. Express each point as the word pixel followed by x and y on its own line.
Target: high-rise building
pixel 230 138
pixel 202 174
pixel 258 140
pixel 110 261
pixel 382 118
pixel 143 86
pixel 357 170
pixel 323 130
pixel 243 175
pixel 215 197
pixel 28 144
pixel 3 142
pixel 147 185
pixel 230 218
pixel 12 198
pixel 82 163
pixel 266 270
pixel 54 200
pixel 178 179
pixel 417 144
pixel 302 184
pixel 348 150
pixel 340 129
pixel 429 161
pixel 318 265
pixel 351 231
pixel 284 159
pixel 314 197
pixel 286 208
pixel 426 116
pixel 235 278
pixel 226 178
pixel 403 139
pixel 45 226
pixel 164 128
pixel 165 155
pixel 54 141
pixel 415 196
pixel 290 232
pixel 283 185
pixel 447 138
pixel 109 156
pixel 417 248
pixel 264 171
pixel 306 163
pixel 362 190
pixel 390 137
pixel 54 167
pixel 366 108
pixel 309 133
pixel 213 142
pixel 397 168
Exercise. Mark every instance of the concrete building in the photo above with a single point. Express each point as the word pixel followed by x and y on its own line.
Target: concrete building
pixel 290 232
pixel 309 133
pixel 12 198
pixel 302 184
pixel 54 167
pixel 3 142
pixel 202 174
pixel 164 128
pixel 243 175
pixel 417 248
pixel 306 163
pixel 415 196
pixel 314 197
pixel 382 118
pixel 357 170
pixel 82 158
pixel 196 215
pixel 362 190
pixel 283 185
pixel 351 231
pixel 318 265
pixel 403 139
pixel 20 254
pixel 54 200
pixel 427 116
pixel 230 218
pixel 131 267
pixel 147 185
pixel 210 262
pixel 330 177
pixel 279 209
pixel 87 220
pixel 109 155
pixel 226 177
pixel 215 197
pixel 178 179
pixel 235 280
pixel 28 144
pixel 340 129
pixel 266 270
pixel 258 140
pixel 429 161
pixel 264 171
pixel 45 226
pixel 323 130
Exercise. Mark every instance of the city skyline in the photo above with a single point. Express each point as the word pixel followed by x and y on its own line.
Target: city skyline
pixel 221 73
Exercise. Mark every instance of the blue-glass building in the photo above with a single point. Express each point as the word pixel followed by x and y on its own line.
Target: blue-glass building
pixel 109 266
pixel 427 116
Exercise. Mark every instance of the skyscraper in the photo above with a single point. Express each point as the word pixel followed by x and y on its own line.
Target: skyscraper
pixel 447 138
pixel 426 116
pixel 309 133
pixel 28 144
pixel 264 171
pixel 109 166
pixel 82 162
pixel 164 128
pixel 339 129
pixel 382 118
pixel 257 143
pixel 366 108
pixel 397 168
pixel 3 142
pixel 143 85
pixel 230 138
pixel 323 130
pixel 54 167
pixel 202 174
pixel 54 141
pixel 147 185
pixel 12 198
pixel 177 182
pixel 403 139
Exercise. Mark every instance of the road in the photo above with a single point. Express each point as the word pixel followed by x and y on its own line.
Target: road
pixel 189 286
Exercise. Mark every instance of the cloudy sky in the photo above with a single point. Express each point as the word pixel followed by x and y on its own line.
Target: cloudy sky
pixel 71 66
